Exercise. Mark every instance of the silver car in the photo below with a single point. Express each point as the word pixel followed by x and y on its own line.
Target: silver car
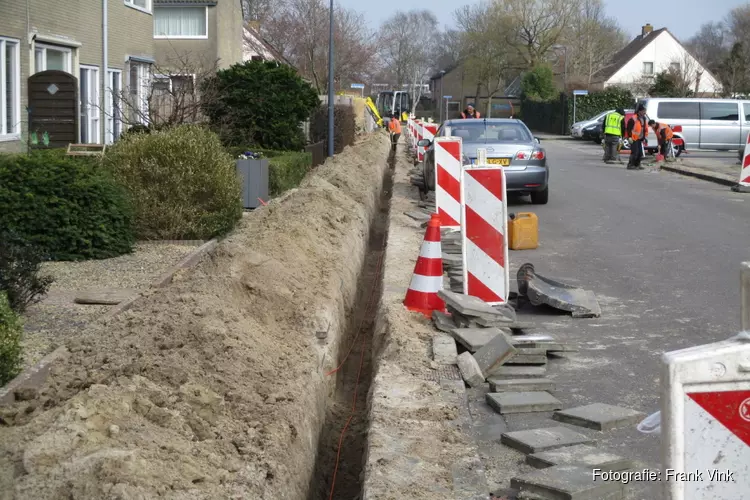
pixel 508 143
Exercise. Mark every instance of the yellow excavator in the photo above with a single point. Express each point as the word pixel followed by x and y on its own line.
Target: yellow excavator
pixel 374 112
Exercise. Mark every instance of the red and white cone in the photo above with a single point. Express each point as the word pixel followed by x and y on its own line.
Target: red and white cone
pixel 427 280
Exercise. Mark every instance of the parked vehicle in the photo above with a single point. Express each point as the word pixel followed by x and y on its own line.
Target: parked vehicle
pixel 508 143
pixel 718 124
pixel 596 132
pixel 576 130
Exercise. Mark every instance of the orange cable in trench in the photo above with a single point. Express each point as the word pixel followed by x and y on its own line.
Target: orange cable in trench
pixel 361 364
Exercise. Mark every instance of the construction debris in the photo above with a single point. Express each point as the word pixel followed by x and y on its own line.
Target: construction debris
pixel 444 350
pixel 494 353
pixel 474 339
pixel 540 290
pixel 521 385
pixel 581 454
pixel 548 438
pixel 566 482
pixel 470 371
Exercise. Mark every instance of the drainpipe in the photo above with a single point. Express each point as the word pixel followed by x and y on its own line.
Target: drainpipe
pixel 104 75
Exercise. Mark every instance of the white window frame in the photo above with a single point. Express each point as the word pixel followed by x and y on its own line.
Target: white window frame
pixel 93 113
pixel 148 9
pixel 59 48
pixel 644 68
pixel 144 88
pixel 169 78
pixel 112 125
pixel 168 37
pixel 15 133
pixel 675 66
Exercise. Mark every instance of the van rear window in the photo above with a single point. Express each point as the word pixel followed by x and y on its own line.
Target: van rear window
pixel 722 111
pixel 678 110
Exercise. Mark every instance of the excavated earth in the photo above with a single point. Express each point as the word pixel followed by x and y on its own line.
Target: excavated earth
pixel 216 386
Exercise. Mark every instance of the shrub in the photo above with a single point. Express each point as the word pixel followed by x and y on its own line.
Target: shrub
pixel 594 103
pixel 70 208
pixel 20 262
pixel 11 357
pixel 287 171
pixel 261 103
pixel 182 183
pixel 539 84
pixel 344 126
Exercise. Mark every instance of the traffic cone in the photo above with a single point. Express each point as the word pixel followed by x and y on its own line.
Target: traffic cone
pixel 427 280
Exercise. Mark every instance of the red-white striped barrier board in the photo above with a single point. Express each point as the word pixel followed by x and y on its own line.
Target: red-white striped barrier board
pixel 418 134
pixel 428 132
pixel 745 171
pixel 448 154
pixel 705 421
pixel 484 230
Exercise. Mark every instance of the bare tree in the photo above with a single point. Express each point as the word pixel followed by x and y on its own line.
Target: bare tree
pixel 591 41
pixel 299 30
pixel 710 45
pixel 485 51
pixel 535 26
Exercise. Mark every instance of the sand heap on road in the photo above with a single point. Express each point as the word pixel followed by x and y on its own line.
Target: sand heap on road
pixel 202 389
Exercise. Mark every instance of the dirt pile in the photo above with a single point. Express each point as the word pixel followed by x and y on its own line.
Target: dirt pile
pixel 214 387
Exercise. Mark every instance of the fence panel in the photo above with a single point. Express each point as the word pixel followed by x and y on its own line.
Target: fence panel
pixel 318 151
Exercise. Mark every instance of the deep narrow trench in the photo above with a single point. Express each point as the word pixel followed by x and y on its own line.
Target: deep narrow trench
pixel 355 374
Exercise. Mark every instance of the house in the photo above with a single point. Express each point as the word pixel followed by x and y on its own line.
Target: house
pixel 457 86
pixel 63 69
pixel 257 48
pixel 650 53
pixel 196 36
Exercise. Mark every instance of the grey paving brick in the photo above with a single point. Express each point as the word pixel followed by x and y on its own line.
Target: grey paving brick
pixel 523 402
pixel 547 438
pixel 470 370
pixel 474 339
pixel 518 371
pixel 527 359
pixel 444 350
pixel 495 352
pixel 521 384
pixel 581 454
pixel 566 482
pixel 599 416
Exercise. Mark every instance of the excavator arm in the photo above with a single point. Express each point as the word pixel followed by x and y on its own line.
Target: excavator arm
pixel 374 112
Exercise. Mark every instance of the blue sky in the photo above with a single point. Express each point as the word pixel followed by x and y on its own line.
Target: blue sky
pixel 681 18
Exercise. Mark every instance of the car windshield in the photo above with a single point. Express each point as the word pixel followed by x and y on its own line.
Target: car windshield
pixel 480 131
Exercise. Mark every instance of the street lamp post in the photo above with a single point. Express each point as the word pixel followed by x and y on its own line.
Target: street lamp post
pixel 330 82
pixel 440 102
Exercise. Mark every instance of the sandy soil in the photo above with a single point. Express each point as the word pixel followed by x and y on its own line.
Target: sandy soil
pixel 203 390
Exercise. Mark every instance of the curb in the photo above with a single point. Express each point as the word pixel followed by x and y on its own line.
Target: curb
pixel 700 173
pixel 34 376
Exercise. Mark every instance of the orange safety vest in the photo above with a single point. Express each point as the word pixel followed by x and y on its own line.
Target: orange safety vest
pixel 476 115
pixel 668 134
pixel 394 126
pixel 639 131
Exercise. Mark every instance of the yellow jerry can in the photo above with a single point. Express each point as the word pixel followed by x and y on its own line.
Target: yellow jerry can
pixel 523 231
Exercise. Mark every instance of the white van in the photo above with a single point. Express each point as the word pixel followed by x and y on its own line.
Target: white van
pixel 721 124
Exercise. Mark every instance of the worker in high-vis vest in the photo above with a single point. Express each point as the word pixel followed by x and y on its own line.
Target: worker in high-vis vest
pixel 470 112
pixel 636 132
pixel 664 135
pixel 394 126
pixel 614 129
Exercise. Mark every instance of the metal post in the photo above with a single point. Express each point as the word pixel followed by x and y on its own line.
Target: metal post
pixel 330 82
pixel 745 296
pixel 574 108
pixel 565 70
pixel 104 75
pixel 446 109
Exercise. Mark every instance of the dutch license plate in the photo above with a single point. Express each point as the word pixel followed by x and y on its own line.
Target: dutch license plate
pixel 499 161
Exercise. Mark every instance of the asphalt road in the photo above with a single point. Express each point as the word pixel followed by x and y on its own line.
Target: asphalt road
pixel 662 252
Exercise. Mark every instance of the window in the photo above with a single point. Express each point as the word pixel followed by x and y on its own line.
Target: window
pixel 180 22
pixel 139 85
pixel 53 57
pixel 675 66
pixel 648 68
pixel 89 94
pixel 720 111
pixel 10 88
pixel 113 114
pixel 144 5
pixel 479 132
pixel 256 58
pixel 671 110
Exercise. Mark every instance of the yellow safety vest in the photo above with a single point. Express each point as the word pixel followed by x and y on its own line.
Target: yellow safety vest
pixel 613 124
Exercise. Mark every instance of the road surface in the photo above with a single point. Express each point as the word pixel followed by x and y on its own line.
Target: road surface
pixel 662 252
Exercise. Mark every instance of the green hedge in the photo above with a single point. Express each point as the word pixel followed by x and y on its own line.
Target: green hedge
pixel 344 126
pixel 11 330
pixel 588 106
pixel 70 208
pixel 286 171
pixel 182 183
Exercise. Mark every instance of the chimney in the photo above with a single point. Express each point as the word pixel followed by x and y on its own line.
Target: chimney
pixel 645 30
